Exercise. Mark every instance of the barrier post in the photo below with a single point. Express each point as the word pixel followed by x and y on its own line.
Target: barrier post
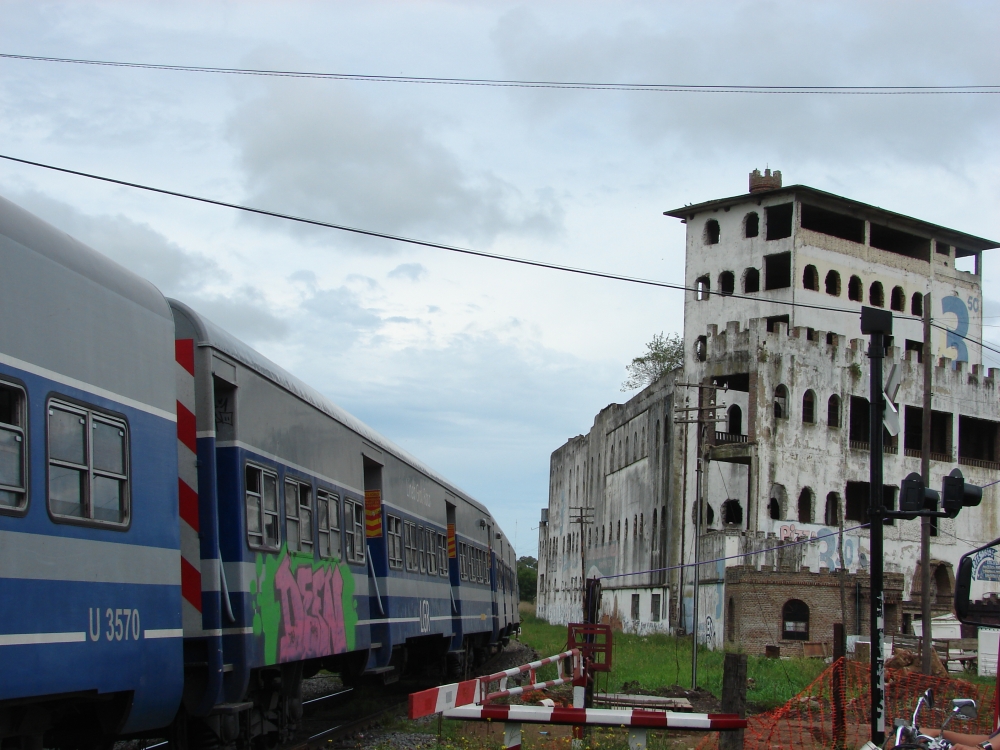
pixel 837 688
pixel 579 697
pixel 734 697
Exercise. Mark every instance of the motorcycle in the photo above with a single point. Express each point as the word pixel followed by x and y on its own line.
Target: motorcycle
pixel 909 736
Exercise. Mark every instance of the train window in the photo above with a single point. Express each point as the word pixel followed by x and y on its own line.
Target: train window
pixel 410 542
pixel 354 530
pixel 262 508
pixel 394 534
pixel 463 561
pixel 328 524
pixel 430 545
pixel 442 554
pixel 88 465
pixel 298 516
pixel 13 487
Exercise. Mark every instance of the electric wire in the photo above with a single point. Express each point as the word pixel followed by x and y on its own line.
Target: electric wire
pixel 437 245
pixel 530 84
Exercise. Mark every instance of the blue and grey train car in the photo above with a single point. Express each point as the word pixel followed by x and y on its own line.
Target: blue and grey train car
pixel 90 636
pixel 186 530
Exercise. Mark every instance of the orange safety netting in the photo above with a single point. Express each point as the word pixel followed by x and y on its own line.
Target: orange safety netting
pixel 833 711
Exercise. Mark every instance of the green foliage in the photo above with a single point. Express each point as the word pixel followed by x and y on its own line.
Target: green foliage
pixel 527 578
pixel 663 354
pixel 662 660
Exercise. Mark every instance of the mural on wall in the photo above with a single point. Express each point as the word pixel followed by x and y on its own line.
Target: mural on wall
pixel 828 540
pixel 302 607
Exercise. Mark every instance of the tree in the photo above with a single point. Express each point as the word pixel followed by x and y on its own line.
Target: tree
pixel 527 578
pixel 663 354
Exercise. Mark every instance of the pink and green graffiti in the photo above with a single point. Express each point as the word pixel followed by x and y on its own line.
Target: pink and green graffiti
pixel 304 608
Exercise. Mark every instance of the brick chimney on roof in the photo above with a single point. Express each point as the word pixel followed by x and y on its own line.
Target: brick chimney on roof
pixel 767 181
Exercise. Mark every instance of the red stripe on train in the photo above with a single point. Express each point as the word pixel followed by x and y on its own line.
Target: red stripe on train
pixel 184 354
pixel 191 584
pixel 188 504
pixel 187 431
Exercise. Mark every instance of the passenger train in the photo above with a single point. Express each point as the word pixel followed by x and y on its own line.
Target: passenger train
pixel 187 530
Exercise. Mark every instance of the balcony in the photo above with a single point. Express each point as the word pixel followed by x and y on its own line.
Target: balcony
pixel 979 463
pixel 726 438
pixel 863 445
pixel 915 453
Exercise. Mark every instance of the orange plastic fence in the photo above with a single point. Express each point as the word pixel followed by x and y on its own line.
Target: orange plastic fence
pixel 833 711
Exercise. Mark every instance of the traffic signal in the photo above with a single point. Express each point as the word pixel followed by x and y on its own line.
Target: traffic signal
pixel 915 499
pixel 956 494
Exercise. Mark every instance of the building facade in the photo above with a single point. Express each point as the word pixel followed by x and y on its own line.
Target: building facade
pixel 767 420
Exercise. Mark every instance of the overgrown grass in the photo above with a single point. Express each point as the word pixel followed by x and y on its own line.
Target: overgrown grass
pixel 660 660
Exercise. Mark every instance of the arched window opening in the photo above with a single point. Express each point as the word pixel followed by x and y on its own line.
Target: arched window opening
pixel 897 300
pixel 712 232
pixel 774 509
pixel 731 620
pixel 702 288
pixel 831 517
pixel 810 278
pixel 751 281
pixel 701 348
pixel 626 456
pixel 732 513
pixel 917 304
pixel 795 620
pixel 621 456
pixel 635 527
pixel 809 407
pixel 734 420
pixel 876 297
pixel 751 225
pixel 611 464
pixel 709 515
pixel 654 529
pixel 833 411
pixel 618 535
pixel 602 534
pixel 833 284
pixel 943 583
pixel 635 447
pixel 727 283
pixel 657 441
pixel 781 402
pixel 642 527
pixel 855 289
pixel 806 506
pixel 590 538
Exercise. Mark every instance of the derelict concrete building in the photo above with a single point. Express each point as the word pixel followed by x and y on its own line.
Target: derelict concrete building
pixel 777 278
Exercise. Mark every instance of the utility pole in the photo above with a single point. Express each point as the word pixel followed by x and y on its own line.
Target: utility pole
pixel 925 472
pixel 583 516
pixel 709 418
pixel 877 324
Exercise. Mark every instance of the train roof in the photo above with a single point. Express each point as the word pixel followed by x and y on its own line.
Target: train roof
pixel 44 239
pixel 217 338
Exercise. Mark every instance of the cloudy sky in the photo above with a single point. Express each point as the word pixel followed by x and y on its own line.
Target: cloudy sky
pixel 479 368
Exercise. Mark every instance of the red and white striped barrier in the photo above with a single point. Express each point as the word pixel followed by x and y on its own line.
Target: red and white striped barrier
pixel 187 486
pixel 635 717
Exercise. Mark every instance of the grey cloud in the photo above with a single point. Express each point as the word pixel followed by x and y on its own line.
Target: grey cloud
pixel 331 154
pixel 135 245
pixel 245 314
pixel 411 271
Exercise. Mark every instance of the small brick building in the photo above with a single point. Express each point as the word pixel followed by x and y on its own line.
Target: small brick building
pixel 785 608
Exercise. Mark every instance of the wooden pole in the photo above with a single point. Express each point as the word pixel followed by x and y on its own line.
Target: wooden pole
pixel 734 697
pixel 925 471
pixel 839 714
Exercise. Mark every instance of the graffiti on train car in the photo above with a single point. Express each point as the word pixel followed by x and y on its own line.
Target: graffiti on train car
pixel 303 608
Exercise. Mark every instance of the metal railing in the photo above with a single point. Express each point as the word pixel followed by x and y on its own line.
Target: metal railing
pixel 725 438
pixel 978 462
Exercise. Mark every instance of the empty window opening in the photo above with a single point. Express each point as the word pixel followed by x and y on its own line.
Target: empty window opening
pixel 618 533
pixel 751 224
pixel 977 440
pixel 859 420
pixel 702 288
pixel 915 346
pixel 942 248
pixel 917 304
pixel 635 606
pixel 806 505
pixel 13 487
pixel 774 319
pixel 856 502
pixel 833 411
pixel 711 232
pixel 897 300
pixel 774 509
pixel 734 420
pixel 899 242
pixel 779 221
pixel 727 282
pixel 795 620
pixel 834 224
pixel 751 281
pixel 812 335
pixel 855 289
pixel 701 348
pixel 876 297
pixel 832 339
pixel 732 513
pixel 654 607
pixel 781 402
pixel 889 502
pixel 965 263
pixel 833 283
pixel 777 271
pixel 831 516
pixel 809 407
pixel 810 278
pixel 654 528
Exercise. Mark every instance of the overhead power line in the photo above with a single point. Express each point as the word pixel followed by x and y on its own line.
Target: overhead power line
pixel 676 88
